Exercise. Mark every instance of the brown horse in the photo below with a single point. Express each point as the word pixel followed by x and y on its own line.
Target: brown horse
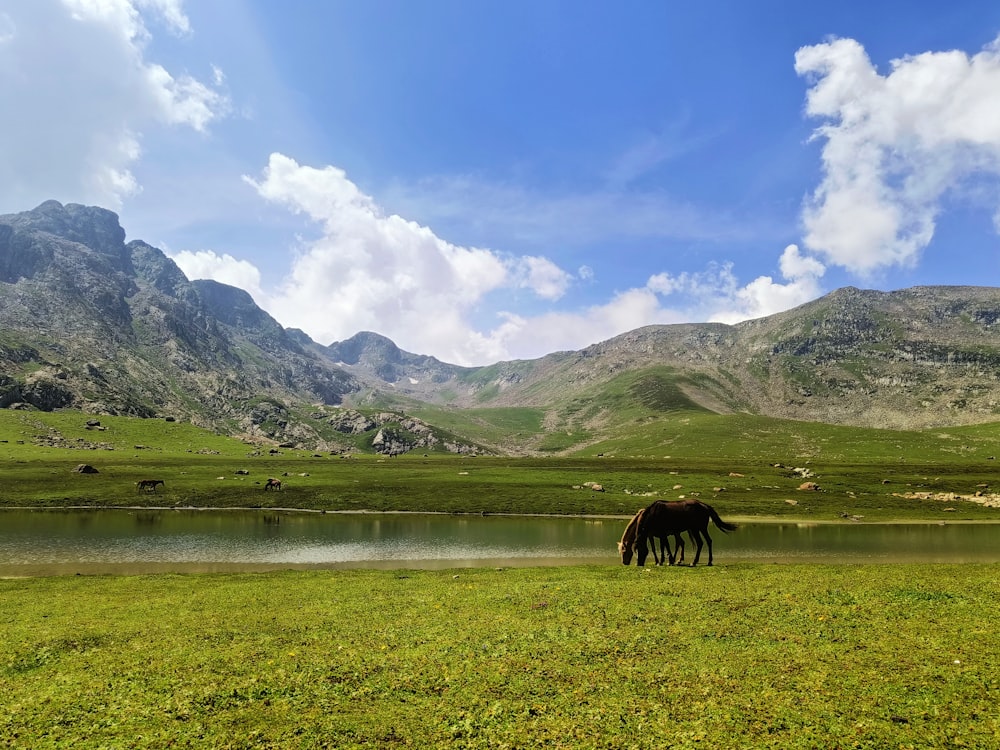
pixel 147 485
pixel 663 518
pixel 627 545
pixel 272 484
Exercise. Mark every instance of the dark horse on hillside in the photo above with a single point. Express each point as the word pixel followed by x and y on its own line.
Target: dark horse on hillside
pixel 147 485
pixel 663 519
pixel 627 545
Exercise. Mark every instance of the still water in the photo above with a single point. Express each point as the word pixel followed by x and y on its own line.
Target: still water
pixel 120 541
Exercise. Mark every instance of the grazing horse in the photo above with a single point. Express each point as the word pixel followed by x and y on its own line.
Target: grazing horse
pixel 627 545
pixel 147 485
pixel 662 518
pixel 272 484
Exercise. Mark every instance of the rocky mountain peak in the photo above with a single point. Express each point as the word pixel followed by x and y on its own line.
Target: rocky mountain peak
pixel 89 322
pixel 96 228
pixel 365 348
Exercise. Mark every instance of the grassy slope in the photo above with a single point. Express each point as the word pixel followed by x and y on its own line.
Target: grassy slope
pixel 725 460
pixel 743 656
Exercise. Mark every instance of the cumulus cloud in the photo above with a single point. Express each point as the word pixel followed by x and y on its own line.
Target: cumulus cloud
pixel 893 146
pixel 528 337
pixel 76 75
pixel 715 294
pixel 370 270
pixel 543 277
pixel 207 264
pixel 763 296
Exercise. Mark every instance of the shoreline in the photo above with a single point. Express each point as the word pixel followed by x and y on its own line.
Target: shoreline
pixel 795 520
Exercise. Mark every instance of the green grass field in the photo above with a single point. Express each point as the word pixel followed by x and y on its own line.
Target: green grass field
pixel 741 464
pixel 734 656
pixel 742 656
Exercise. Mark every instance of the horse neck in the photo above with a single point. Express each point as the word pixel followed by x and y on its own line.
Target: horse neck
pixel 632 530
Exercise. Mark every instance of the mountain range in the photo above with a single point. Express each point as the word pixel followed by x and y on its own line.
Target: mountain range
pixel 90 322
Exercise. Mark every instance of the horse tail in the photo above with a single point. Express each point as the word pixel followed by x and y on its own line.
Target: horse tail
pixel 727 527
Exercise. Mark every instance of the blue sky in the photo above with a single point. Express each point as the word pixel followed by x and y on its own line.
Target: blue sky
pixel 486 180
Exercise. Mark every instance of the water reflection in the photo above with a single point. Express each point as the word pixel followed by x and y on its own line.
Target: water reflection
pixel 46 542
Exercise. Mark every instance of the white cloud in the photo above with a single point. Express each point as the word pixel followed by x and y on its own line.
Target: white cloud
pixel 171 11
pixel 183 101
pixel 77 76
pixel 714 294
pixel 369 270
pixel 207 264
pixel 373 271
pixel 543 277
pixel 763 296
pixel 894 145
pixel 531 337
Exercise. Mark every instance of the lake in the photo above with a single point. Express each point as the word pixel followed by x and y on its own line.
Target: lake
pixel 50 542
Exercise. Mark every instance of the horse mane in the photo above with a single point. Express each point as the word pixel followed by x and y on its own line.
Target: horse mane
pixel 631 531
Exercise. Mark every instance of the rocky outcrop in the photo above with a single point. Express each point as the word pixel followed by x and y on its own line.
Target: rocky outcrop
pixel 89 322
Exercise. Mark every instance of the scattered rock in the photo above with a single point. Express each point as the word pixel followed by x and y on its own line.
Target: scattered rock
pixel 991 500
pixel 809 487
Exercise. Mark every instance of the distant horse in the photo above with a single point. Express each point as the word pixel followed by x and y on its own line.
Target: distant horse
pixel 147 485
pixel 662 518
pixel 627 545
pixel 272 484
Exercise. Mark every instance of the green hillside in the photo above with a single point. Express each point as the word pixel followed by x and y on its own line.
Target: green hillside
pixel 744 465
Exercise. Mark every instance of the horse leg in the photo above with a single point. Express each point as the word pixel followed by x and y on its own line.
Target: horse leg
pixel 696 536
pixel 709 540
pixel 678 549
pixel 665 551
pixel 652 546
pixel 642 551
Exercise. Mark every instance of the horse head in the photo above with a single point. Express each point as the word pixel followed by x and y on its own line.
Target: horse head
pixel 627 543
pixel 625 550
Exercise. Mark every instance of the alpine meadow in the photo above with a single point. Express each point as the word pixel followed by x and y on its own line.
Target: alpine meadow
pixel 861 407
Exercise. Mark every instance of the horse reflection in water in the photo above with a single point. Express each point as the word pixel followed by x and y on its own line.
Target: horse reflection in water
pixel 664 519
